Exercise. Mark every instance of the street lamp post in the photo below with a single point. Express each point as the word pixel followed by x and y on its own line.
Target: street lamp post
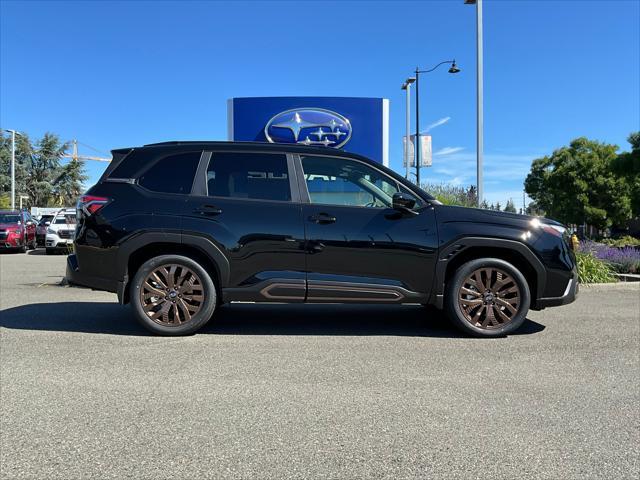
pixel 479 99
pixel 407 86
pixel 417 146
pixel 13 167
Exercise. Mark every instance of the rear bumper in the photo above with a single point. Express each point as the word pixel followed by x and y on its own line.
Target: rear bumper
pixel 570 294
pixel 75 277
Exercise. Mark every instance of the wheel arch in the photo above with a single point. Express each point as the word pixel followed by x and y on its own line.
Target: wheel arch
pixel 466 249
pixel 146 246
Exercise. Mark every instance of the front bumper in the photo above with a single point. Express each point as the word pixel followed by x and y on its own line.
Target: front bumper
pixel 12 242
pixel 53 241
pixel 570 294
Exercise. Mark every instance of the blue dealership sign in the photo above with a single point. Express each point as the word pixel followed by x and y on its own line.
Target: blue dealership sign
pixel 359 125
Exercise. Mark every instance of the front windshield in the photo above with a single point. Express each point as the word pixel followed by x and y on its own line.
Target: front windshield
pixel 9 218
pixel 65 219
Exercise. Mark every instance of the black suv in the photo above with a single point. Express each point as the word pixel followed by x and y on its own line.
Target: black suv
pixel 178 228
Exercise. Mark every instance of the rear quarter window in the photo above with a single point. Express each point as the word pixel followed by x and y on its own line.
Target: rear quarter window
pixel 172 174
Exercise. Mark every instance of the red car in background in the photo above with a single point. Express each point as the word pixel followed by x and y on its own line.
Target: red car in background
pixel 17 231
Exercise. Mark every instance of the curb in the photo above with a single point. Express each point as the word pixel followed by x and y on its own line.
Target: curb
pixel 616 285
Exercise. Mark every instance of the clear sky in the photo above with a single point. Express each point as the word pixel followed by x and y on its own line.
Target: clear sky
pixel 115 74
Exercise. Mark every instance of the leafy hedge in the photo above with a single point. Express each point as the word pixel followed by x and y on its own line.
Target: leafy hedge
pixel 622 260
pixel 626 241
pixel 593 270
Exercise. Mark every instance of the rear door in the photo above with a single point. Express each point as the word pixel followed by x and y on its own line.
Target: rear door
pixel 247 205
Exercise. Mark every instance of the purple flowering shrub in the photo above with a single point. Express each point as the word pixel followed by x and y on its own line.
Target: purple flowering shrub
pixel 622 260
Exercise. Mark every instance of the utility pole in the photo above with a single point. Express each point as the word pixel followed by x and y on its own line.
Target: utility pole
pixel 417 144
pixel 13 167
pixel 407 87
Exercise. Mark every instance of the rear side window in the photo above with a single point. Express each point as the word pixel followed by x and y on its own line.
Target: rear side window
pixel 262 176
pixel 172 174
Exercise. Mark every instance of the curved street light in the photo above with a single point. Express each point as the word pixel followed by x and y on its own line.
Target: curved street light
pixel 453 69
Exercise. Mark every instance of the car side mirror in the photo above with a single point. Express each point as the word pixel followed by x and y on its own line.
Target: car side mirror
pixel 403 202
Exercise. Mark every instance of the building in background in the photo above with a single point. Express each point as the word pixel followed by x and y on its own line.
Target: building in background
pixel 359 125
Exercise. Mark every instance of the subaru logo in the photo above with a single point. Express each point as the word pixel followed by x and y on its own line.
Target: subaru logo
pixel 309 126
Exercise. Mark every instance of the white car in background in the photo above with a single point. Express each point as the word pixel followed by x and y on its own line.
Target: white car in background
pixel 61 231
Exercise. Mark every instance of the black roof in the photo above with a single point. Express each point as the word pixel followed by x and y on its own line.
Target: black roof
pixel 288 147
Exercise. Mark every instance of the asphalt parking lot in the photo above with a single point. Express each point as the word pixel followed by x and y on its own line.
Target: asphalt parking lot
pixel 311 391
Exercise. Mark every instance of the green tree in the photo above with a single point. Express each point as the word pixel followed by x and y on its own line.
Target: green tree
pixel 45 169
pixel 39 173
pixel 627 166
pixel 534 209
pixel 485 205
pixel 510 207
pixel 68 186
pixel 23 159
pixel 576 184
pixel 453 194
pixel 498 206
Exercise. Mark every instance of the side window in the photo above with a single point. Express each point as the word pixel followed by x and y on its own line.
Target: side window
pixel 172 174
pixel 339 181
pixel 261 176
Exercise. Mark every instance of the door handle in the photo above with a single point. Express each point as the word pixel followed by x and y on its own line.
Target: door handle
pixel 322 218
pixel 208 210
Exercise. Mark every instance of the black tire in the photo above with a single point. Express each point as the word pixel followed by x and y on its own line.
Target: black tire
pixel 23 248
pixel 496 326
pixel 50 251
pixel 33 244
pixel 206 307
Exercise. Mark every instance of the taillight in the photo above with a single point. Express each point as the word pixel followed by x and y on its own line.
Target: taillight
pixel 90 204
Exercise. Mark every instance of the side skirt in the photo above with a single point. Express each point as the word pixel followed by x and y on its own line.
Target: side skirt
pixel 317 291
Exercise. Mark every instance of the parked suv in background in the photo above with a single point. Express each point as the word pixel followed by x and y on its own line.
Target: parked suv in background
pixel 60 231
pixel 178 228
pixel 17 230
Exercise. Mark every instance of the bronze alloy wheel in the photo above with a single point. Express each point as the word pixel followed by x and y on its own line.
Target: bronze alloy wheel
pixel 171 295
pixel 489 298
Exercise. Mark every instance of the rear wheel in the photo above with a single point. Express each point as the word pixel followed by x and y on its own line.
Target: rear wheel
pixel 50 251
pixel 487 297
pixel 23 247
pixel 173 295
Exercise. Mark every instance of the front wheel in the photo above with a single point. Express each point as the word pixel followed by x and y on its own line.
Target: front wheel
pixel 173 295
pixel 487 297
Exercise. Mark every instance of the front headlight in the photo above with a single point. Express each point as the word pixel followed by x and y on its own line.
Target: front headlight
pixel 51 230
pixel 552 228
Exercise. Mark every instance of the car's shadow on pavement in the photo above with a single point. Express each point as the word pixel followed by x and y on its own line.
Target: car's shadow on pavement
pixel 274 319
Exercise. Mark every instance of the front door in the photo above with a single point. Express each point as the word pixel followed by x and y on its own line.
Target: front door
pixel 358 247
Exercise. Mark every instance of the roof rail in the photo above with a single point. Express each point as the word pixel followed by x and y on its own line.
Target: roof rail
pixel 199 142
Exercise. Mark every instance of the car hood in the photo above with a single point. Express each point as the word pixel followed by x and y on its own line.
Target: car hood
pixel 6 226
pixel 448 213
pixel 62 226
